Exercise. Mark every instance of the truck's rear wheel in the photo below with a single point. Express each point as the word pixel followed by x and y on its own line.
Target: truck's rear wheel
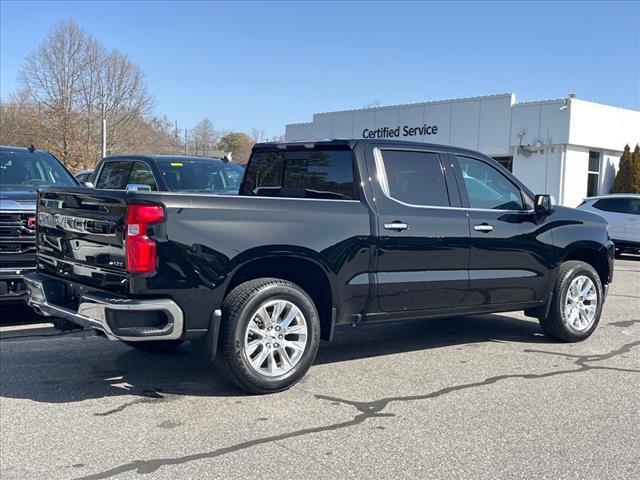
pixel 576 305
pixel 156 346
pixel 269 335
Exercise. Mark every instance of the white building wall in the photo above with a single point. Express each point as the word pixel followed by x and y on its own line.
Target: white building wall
pixel 575 180
pixel 548 140
pixel 603 126
pixel 540 172
pixel 479 123
pixel 438 113
pixel 541 122
pixel 300 131
pixel 494 131
pixel 465 124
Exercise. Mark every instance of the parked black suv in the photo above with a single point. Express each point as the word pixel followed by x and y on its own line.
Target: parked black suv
pixel 169 173
pixel 22 172
pixel 322 233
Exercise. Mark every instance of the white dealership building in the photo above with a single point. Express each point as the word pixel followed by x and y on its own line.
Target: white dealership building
pixel 569 148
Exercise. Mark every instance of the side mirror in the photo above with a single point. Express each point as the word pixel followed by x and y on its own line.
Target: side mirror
pixel 544 204
pixel 87 184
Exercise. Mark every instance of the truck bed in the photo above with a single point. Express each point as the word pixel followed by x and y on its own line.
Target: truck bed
pixel 203 242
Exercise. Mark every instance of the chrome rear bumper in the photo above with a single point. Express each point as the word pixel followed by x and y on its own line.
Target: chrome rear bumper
pixel 94 309
pixel 12 284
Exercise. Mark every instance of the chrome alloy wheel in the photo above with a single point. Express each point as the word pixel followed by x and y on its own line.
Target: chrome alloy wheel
pixel 581 304
pixel 275 338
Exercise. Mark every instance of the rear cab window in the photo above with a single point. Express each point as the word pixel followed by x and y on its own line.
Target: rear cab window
pixel 114 175
pixel 322 174
pixel 141 174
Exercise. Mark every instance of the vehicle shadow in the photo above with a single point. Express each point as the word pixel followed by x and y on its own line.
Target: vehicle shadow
pixel 386 339
pixel 18 314
pixel 79 366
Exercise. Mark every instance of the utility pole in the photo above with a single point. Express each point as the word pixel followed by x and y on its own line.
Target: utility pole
pixel 104 128
pixel 185 140
pixel 176 138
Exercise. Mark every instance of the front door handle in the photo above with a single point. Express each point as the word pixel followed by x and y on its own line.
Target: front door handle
pixel 396 225
pixel 483 227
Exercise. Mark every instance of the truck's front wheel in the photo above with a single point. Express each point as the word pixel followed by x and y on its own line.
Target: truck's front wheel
pixel 269 335
pixel 576 304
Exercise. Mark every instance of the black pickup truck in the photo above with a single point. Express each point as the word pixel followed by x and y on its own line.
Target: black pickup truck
pixel 22 172
pixel 322 233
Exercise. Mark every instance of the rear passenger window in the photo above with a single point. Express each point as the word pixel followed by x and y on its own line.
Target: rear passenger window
pixel 415 178
pixel 114 176
pixel 142 175
pixel 324 174
pixel 615 205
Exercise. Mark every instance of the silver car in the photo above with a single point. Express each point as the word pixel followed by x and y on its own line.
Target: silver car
pixel 622 213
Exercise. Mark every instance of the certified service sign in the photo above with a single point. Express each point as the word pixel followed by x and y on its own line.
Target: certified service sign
pixel 400 131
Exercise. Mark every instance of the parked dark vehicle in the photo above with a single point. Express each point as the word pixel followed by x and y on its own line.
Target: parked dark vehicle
pixel 22 171
pixel 323 233
pixel 84 176
pixel 169 173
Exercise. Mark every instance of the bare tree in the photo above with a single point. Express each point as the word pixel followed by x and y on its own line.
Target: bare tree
pixel 91 99
pixel 70 81
pixel 72 78
pixel 126 98
pixel 52 76
pixel 203 137
pixel 277 138
pixel 257 135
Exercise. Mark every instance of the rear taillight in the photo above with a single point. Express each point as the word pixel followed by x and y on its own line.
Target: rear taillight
pixel 140 250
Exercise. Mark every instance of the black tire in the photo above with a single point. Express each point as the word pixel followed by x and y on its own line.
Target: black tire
pixel 156 346
pixel 237 311
pixel 554 324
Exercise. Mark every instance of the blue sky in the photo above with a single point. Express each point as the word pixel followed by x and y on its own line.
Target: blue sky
pixel 262 65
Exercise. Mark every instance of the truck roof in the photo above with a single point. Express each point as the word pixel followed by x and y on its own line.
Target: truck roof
pixel 350 143
pixel 10 148
pixel 160 157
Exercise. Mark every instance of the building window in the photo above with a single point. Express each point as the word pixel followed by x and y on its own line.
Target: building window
pixel 593 177
pixel 506 162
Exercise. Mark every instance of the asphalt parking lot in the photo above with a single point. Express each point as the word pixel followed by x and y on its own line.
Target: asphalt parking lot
pixel 478 397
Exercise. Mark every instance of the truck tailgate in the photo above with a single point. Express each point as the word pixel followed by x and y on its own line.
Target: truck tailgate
pixel 80 236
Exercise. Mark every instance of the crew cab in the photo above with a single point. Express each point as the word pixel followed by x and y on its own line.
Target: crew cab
pixel 322 233
pixel 168 173
pixel 22 172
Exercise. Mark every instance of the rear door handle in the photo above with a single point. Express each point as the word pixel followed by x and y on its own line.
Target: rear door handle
pixel 396 225
pixel 483 227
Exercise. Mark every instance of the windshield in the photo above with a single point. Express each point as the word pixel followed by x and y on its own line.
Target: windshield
pixel 206 175
pixel 23 170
